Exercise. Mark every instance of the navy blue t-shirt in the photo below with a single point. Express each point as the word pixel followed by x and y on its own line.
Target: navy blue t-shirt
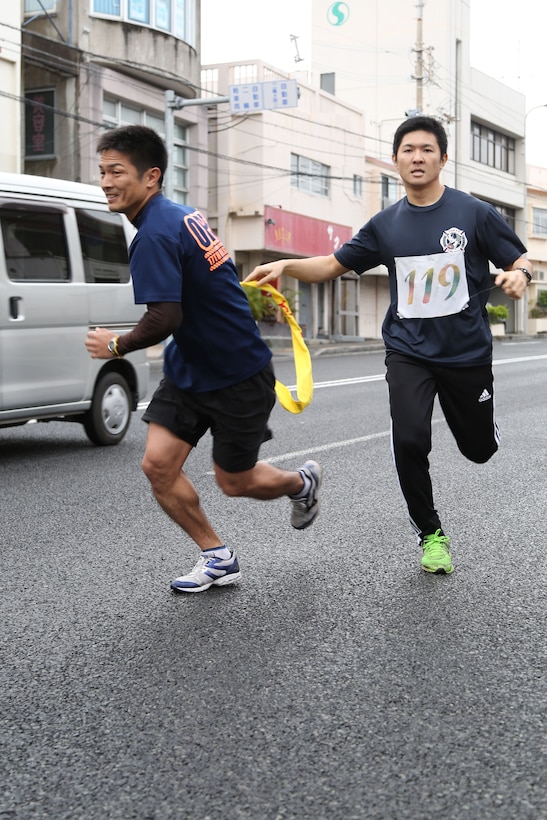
pixel 437 259
pixel 175 257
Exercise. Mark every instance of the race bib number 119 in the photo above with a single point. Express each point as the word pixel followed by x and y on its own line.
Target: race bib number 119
pixel 430 286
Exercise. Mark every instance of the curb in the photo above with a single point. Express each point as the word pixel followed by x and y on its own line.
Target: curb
pixel 317 348
pixel 320 347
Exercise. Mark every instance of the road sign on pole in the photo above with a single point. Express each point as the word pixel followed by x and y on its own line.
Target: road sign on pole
pixel 243 98
pixel 274 94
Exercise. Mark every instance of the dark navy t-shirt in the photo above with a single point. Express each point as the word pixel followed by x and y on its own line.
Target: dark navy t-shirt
pixel 175 257
pixel 437 259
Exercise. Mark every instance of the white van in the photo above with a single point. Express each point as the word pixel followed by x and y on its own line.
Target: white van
pixel 63 270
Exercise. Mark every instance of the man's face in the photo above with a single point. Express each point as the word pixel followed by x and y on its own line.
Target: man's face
pixel 126 191
pixel 419 160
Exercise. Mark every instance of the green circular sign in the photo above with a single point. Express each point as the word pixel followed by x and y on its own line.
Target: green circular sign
pixel 338 14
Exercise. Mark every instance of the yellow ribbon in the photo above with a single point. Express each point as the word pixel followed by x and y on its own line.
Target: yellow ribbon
pixel 302 358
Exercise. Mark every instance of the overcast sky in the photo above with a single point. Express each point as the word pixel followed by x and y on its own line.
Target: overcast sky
pixel 508 42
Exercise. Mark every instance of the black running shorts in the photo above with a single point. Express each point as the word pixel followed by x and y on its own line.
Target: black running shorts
pixel 237 417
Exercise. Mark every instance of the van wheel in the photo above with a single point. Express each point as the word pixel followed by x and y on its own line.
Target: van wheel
pixel 107 420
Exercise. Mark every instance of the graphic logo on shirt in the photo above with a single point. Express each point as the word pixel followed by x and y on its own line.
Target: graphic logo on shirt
pixel 213 250
pixel 454 239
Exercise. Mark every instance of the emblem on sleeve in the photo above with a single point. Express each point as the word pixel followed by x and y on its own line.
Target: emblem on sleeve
pixel 454 239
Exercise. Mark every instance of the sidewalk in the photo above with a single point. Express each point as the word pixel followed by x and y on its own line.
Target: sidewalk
pixel 282 347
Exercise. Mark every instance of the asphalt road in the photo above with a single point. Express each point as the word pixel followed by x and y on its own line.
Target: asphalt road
pixel 336 680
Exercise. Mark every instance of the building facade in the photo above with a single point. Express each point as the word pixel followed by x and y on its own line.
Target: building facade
pixel 90 64
pixel 10 88
pixel 329 159
pixel 288 182
pixel 537 248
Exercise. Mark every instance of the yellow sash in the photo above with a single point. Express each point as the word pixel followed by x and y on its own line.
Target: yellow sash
pixel 302 358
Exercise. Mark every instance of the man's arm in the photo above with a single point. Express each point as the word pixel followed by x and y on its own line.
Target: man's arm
pixel 160 320
pixel 513 280
pixel 312 269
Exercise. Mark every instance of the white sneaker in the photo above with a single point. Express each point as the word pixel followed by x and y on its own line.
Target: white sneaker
pixel 305 510
pixel 209 571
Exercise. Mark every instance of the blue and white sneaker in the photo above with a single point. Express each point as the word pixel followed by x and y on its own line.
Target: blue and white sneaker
pixel 209 571
pixel 305 509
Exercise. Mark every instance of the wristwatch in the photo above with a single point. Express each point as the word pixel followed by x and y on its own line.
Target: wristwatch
pixel 113 347
pixel 527 273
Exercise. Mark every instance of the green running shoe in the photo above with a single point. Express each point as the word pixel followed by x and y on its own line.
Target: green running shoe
pixel 436 557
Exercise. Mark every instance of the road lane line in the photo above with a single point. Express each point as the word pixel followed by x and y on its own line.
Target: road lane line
pixel 519 359
pixel 381 377
pixel 334 445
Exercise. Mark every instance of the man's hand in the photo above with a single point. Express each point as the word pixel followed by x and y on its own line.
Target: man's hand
pixel 97 343
pixel 513 282
pixel 267 273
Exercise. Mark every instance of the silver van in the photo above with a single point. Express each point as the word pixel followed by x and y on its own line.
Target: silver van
pixel 63 270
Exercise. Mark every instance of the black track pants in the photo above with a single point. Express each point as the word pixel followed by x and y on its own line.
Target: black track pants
pixel 466 396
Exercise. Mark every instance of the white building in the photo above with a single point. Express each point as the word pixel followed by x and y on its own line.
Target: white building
pixel 537 248
pixel 10 87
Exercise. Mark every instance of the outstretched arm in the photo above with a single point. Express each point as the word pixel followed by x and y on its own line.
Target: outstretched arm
pixel 312 269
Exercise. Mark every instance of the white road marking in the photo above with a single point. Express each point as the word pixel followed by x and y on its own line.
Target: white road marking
pixel 381 377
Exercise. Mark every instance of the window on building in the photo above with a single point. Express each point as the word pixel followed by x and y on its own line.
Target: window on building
pixel 116 112
pixel 209 80
pixel 111 7
pixel 246 73
pixel 309 175
pixel 490 147
pixel 177 17
pixel 138 11
pixel 389 190
pixel 509 214
pixel 357 186
pixel 328 82
pixel 163 14
pixel 33 6
pixel 539 221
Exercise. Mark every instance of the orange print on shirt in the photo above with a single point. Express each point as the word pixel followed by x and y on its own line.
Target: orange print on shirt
pixel 213 250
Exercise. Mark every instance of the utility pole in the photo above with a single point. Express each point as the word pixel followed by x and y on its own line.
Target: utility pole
pixel 172 104
pixel 419 50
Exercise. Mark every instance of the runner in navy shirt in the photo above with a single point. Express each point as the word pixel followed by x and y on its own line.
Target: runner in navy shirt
pixel 175 257
pixel 218 375
pixel 436 244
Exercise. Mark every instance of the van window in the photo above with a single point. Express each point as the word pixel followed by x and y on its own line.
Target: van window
pixel 34 245
pixel 104 246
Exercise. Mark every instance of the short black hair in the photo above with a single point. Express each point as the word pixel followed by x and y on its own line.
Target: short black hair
pixel 421 123
pixel 144 147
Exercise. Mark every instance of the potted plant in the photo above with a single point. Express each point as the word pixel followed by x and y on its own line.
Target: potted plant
pixel 538 314
pixel 497 315
pixel 265 312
